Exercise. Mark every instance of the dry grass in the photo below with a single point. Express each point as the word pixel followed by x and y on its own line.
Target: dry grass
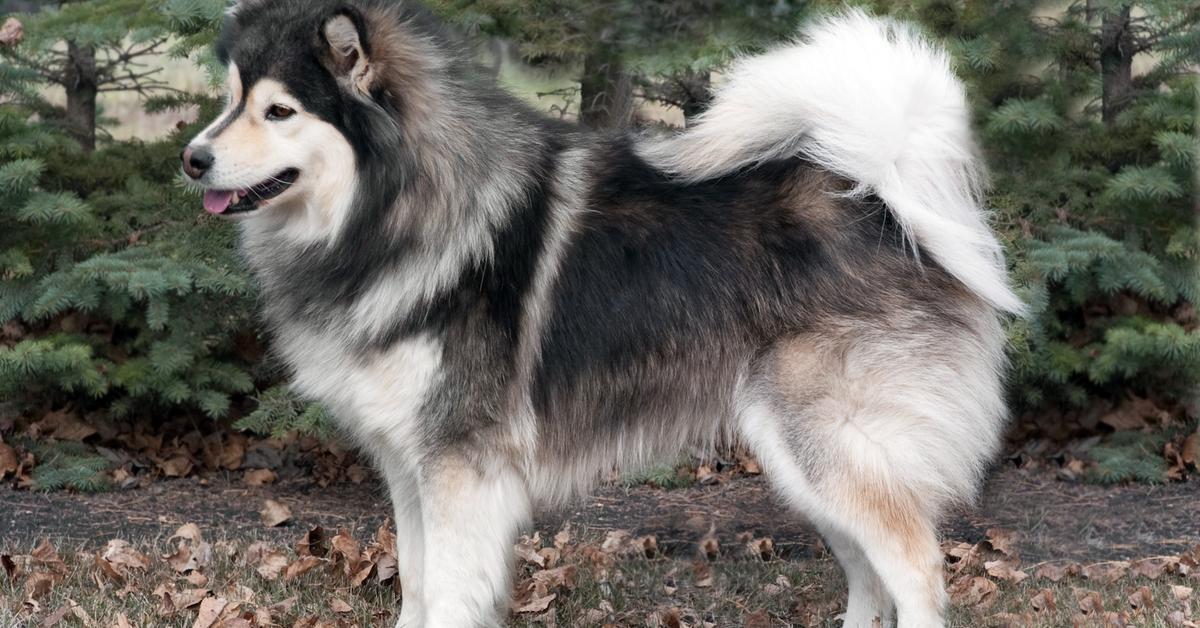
pixel 593 584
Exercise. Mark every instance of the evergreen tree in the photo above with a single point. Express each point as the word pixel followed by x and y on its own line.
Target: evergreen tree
pixel 114 293
pixel 661 51
pixel 1095 182
pixel 87 48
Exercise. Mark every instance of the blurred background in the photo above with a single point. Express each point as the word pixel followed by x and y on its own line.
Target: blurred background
pixel 129 344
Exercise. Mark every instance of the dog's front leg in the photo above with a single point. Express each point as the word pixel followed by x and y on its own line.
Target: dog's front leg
pixel 403 486
pixel 472 511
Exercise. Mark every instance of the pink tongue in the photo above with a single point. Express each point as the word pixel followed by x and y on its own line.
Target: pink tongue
pixel 217 201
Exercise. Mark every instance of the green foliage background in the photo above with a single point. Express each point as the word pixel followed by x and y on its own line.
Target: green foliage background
pixel 117 296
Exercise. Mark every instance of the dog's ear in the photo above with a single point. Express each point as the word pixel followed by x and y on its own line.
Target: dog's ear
pixel 345 36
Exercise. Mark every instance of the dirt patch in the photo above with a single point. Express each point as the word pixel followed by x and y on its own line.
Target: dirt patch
pixel 1054 519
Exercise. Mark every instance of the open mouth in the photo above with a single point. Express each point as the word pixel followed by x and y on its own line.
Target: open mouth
pixel 229 202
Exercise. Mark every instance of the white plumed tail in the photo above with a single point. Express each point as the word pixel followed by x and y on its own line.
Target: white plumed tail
pixel 873 101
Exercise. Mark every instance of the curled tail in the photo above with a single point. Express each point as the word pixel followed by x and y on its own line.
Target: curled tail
pixel 873 101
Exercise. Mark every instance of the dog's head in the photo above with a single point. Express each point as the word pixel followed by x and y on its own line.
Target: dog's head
pixel 315 88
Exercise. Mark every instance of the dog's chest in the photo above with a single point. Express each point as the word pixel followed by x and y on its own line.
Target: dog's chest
pixel 375 394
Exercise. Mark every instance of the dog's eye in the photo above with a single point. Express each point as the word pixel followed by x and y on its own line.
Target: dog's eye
pixel 280 112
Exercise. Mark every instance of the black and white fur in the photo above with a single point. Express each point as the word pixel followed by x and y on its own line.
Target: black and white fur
pixel 499 307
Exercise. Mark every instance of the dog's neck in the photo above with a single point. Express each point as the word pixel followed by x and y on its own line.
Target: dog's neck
pixel 426 207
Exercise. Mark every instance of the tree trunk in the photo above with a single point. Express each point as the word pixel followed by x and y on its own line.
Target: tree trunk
pixel 606 93
pixel 81 87
pixel 1116 62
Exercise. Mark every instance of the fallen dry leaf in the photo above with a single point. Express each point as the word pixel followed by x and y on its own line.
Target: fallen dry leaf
pixel 121 555
pixel 188 532
pixel 1133 414
pixel 1190 452
pixel 758 619
pixel 748 463
pixel 709 546
pixel 1043 601
pixel 233 452
pixel 358 474
pixel 560 577
pixel 1141 599
pixel 563 537
pixel 177 466
pixel 526 549
pixel 175 601
pixel 238 594
pixel 53 619
pixel 10 566
pixel 39 585
pixel 313 543
pixel 275 514
pixel 346 548
pixel 533 603
pixel 1003 541
pixel 340 606
pixel 960 556
pixel 1006 570
pixel 66 425
pixel 9 462
pixel 616 542
pixel 1154 567
pixel 260 477
pixel 271 564
pixel 196 579
pixel 385 537
pixel 1089 602
pixel 1108 572
pixel 1181 593
pixel 284 606
pixel 182 560
pixel 301 566
pixel 761 548
pixel 386 568
pixel 647 545
pixel 1055 571
pixel 978 592
pixel 210 611
pixel 46 556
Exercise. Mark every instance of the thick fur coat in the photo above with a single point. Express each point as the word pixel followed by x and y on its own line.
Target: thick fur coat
pixel 500 307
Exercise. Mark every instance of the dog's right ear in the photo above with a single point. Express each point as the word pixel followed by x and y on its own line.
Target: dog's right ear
pixel 345 35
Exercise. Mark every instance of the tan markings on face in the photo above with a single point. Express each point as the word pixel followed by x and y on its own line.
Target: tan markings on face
pixel 251 149
pixel 252 141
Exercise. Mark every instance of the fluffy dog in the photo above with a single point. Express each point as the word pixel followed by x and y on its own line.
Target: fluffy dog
pixel 499 307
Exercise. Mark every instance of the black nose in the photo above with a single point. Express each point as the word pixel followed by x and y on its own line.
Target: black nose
pixel 197 161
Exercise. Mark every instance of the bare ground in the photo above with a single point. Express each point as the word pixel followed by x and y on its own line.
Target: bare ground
pixel 1055 520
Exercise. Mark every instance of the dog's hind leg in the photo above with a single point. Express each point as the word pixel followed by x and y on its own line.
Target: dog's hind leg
pixel 869 599
pixel 410 539
pixel 871 431
pixel 881 534
pixel 472 510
